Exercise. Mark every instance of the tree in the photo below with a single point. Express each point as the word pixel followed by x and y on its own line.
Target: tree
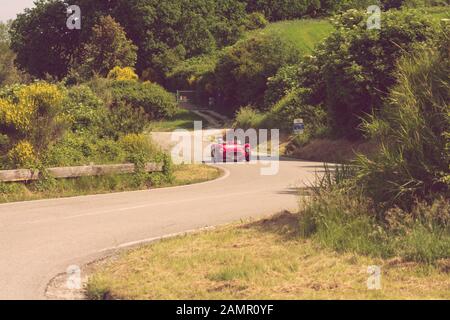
pixel 8 72
pixel 356 65
pixel 42 41
pixel 163 31
pixel 107 48
pixel 243 70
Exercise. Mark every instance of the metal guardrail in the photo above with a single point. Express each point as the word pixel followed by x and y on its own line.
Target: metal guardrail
pixel 23 175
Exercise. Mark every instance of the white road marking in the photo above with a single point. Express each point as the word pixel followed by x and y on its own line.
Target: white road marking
pixel 154 204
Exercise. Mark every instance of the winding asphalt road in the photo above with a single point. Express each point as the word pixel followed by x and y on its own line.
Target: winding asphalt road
pixel 40 239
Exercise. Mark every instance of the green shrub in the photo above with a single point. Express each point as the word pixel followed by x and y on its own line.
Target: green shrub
pixel 276 10
pixel 242 70
pixel 294 106
pixel 249 118
pixel 157 179
pixel 85 111
pixel 389 4
pixel 108 151
pixel 73 149
pixel 138 148
pixel 301 140
pixel 101 87
pixel 82 149
pixel 256 20
pixel 7 188
pixel 281 84
pixel 168 166
pixel 124 119
pixel 157 102
pixel 338 222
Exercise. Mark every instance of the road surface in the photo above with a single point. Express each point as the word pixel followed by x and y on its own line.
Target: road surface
pixel 40 239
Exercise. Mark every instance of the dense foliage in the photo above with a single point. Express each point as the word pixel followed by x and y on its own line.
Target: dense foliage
pixel 151 97
pixel 350 74
pixel 357 65
pixel 242 71
pixel 107 48
pixel 293 9
pixel 41 40
pixel 358 83
pixel 9 73
pixel 165 32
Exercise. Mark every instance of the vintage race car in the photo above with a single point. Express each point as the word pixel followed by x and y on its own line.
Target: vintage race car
pixel 222 151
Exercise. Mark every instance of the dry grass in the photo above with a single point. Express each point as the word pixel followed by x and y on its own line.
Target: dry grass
pixel 190 174
pixel 332 151
pixel 259 260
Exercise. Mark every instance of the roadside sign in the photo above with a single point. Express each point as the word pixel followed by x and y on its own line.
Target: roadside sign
pixel 299 126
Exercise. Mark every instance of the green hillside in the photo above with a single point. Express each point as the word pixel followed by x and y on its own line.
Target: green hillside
pixel 305 33
pixel 438 12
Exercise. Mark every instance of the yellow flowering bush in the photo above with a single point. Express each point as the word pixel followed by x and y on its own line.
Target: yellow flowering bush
pixel 122 74
pixel 33 101
pixel 22 155
pixel 15 116
pixel 31 116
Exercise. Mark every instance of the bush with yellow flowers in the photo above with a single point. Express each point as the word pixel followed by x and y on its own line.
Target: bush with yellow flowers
pixel 31 119
pixel 122 74
pixel 23 155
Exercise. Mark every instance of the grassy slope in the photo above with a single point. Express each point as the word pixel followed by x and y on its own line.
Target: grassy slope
pixel 261 260
pixel 305 34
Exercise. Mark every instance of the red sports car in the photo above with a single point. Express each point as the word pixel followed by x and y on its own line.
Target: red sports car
pixel 230 151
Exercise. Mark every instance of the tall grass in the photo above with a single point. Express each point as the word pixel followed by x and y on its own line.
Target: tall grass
pixel 413 161
pixel 341 217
